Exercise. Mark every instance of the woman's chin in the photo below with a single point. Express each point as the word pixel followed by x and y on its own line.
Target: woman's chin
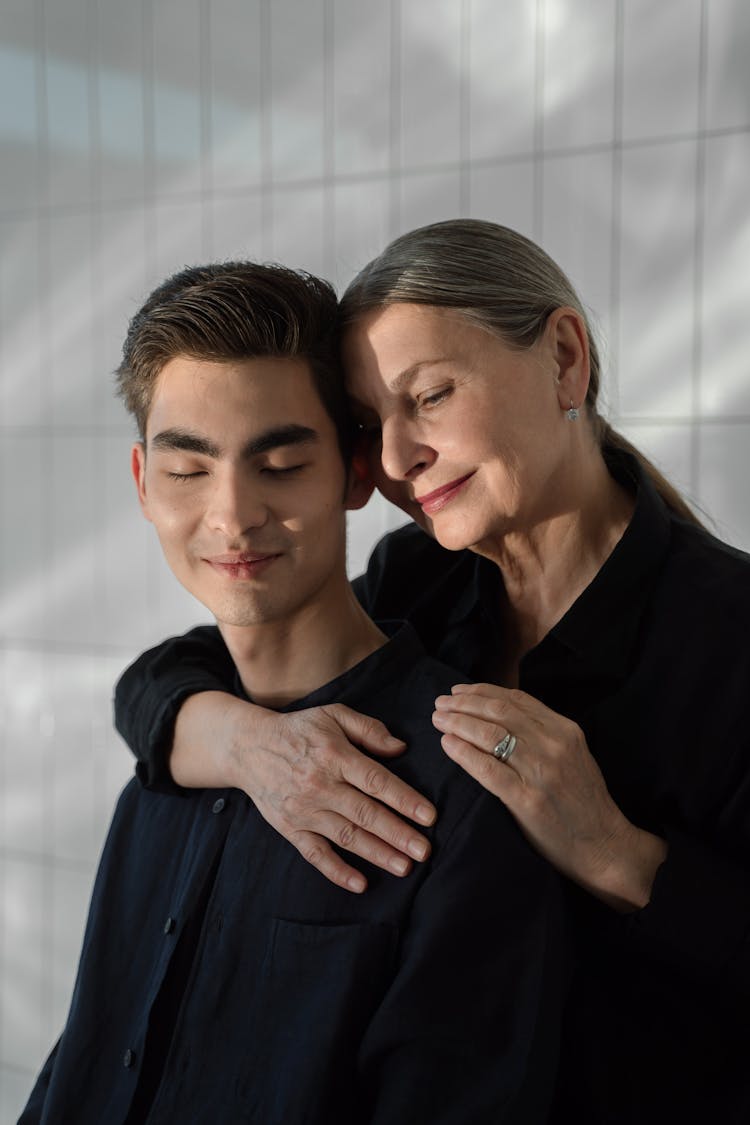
pixel 451 537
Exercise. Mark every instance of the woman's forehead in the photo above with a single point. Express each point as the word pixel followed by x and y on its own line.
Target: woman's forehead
pixel 390 345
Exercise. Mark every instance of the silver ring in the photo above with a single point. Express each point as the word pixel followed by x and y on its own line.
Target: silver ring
pixel 505 748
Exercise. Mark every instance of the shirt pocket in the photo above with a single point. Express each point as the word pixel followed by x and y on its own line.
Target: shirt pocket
pixel 317 990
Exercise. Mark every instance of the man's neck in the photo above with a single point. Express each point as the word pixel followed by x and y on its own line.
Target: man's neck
pixel 285 660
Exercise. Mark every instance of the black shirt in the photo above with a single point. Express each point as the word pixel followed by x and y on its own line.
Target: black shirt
pixel 653 661
pixel 223 979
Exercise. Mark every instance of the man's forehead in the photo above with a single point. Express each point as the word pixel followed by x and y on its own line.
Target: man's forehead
pixel 213 399
pixel 254 368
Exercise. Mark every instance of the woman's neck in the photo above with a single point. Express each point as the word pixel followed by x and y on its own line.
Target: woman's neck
pixel 547 567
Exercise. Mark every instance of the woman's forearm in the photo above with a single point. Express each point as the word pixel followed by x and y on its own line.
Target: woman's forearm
pixel 204 751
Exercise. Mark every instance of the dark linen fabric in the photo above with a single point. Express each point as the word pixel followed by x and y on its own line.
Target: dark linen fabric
pixel 224 980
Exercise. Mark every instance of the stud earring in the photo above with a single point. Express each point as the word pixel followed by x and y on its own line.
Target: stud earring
pixel 572 413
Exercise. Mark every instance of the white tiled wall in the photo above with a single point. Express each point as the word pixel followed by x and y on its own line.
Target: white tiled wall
pixel 138 137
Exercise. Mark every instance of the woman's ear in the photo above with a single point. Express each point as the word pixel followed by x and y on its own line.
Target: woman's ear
pixel 360 485
pixel 567 341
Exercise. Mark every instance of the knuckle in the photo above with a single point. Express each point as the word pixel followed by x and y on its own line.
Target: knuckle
pixel 291 816
pixel 553 751
pixel 312 851
pixel 375 781
pixel 347 835
pixel 332 711
pixel 364 814
pixel 500 709
pixel 577 738
pixel 515 695
pixel 288 807
pixel 497 734
pixel 322 755
pixel 486 769
pixel 314 765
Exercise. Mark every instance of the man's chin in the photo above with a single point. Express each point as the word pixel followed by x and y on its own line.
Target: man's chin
pixel 242 618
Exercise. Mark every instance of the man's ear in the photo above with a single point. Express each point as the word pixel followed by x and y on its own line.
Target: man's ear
pixel 138 469
pixel 360 485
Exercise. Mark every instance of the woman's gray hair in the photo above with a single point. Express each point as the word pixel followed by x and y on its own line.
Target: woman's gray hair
pixel 499 280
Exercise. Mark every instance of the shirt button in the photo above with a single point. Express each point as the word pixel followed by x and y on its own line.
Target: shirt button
pixel 128 1059
pixel 169 925
pixel 218 805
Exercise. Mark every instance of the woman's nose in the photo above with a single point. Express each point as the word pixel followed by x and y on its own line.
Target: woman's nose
pixel 403 455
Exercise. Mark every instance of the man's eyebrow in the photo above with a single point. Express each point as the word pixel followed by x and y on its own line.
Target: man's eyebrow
pixel 273 438
pixel 292 434
pixel 184 440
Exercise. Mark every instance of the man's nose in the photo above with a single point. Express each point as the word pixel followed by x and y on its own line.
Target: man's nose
pixel 237 505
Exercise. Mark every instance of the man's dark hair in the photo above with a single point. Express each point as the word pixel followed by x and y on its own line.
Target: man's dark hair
pixel 234 311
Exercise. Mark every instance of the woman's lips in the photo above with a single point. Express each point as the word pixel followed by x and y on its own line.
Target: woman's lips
pixel 432 502
pixel 241 567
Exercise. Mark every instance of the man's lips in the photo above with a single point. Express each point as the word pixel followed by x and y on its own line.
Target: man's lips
pixel 432 502
pixel 243 565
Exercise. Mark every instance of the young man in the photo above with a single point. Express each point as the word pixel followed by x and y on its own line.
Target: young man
pixel 222 978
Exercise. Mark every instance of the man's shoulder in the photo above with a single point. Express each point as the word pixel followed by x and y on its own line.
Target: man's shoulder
pixel 400 691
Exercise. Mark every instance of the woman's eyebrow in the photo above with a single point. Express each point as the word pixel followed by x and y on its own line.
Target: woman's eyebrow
pixel 405 377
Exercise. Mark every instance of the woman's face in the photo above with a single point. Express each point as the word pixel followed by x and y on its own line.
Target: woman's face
pixel 464 434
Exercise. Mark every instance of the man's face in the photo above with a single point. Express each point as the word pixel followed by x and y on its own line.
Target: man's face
pixel 242 477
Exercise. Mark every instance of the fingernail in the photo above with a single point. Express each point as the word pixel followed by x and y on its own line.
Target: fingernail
pixel 425 814
pixel 357 883
pixel 442 701
pixel 395 741
pixel 438 720
pixel 418 849
pixel 399 865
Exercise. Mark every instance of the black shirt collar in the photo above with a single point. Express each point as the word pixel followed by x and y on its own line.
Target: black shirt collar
pixel 600 629
pixel 603 622
pixel 394 659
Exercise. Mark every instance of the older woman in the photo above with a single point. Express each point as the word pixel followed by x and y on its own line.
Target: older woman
pixel 609 630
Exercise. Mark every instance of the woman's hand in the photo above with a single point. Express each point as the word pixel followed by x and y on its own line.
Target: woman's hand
pixel 307 780
pixel 554 789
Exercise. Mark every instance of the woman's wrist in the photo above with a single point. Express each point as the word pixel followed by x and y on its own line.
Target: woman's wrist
pixel 626 882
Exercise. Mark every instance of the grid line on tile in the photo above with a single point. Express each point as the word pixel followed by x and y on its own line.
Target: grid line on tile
pixel 698 254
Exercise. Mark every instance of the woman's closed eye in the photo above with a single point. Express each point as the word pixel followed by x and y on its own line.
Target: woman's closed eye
pixel 428 399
